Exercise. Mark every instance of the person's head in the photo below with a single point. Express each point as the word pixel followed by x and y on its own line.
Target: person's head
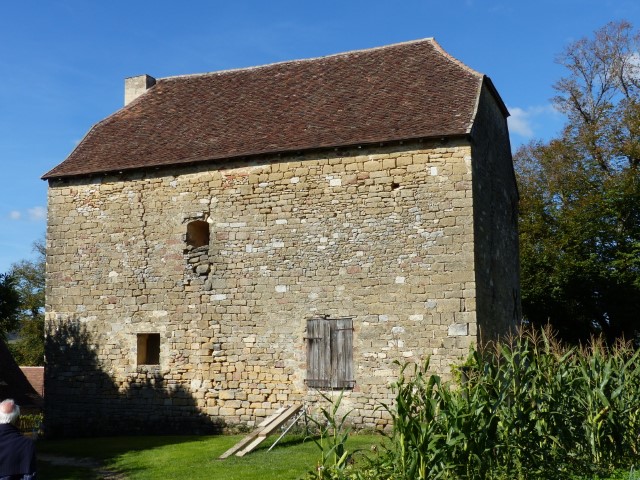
pixel 9 411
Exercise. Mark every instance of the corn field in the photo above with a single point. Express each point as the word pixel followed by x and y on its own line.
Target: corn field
pixel 524 408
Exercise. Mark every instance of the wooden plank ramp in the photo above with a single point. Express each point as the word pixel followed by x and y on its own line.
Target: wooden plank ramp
pixel 261 433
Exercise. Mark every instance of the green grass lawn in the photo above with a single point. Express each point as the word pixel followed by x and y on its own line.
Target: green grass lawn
pixel 187 457
pixel 196 457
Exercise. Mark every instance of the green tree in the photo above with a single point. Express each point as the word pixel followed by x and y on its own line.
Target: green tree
pixel 580 196
pixel 9 305
pixel 29 277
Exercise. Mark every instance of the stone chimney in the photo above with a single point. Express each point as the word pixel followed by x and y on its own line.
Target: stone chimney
pixel 136 86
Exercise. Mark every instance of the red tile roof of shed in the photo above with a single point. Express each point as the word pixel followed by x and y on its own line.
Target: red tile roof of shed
pixel 398 92
pixel 35 376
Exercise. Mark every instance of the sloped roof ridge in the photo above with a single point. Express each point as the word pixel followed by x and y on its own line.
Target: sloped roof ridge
pixel 466 67
pixel 430 40
pixel 84 139
pixel 453 59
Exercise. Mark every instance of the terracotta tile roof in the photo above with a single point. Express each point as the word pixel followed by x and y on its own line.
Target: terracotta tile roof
pixel 35 376
pixel 398 92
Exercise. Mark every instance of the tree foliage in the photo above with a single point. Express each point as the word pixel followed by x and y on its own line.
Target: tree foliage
pixel 580 196
pixel 9 305
pixel 29 277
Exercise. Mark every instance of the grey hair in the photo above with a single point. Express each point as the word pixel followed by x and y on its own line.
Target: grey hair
pixel 9 416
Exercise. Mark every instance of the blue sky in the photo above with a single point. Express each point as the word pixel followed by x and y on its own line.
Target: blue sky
pixel 63 63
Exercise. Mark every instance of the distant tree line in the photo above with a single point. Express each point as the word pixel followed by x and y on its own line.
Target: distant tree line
pixel 22 308
pixel 580 196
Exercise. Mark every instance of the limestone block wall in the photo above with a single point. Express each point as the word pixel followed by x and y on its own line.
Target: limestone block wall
pixel 383 235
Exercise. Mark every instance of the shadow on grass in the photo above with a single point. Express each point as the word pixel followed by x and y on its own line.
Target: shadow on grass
pixel 186 457
pixel 104 448
pixel 90 459
pixel 63 472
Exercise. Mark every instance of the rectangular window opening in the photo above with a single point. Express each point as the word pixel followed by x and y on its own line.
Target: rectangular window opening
pixel 330 353
pixel 148 349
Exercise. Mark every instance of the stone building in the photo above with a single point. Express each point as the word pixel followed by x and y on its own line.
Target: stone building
pixel 235 241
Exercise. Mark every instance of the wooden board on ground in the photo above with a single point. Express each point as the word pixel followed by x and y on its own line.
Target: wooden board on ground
pixel 261 433
pixel 242 443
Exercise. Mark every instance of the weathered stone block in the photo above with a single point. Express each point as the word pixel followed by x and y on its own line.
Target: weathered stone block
pixel 458 329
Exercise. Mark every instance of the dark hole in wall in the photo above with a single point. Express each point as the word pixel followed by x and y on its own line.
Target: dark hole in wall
pixel 148 349
pixel 197 233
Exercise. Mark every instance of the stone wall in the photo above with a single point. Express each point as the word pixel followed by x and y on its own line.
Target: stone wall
pixel 495 200
pixel 383 235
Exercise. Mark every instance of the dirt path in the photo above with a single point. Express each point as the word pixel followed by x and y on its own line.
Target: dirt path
pixel 99 469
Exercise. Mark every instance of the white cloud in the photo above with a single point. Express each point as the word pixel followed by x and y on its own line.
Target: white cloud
pixel 533 121
pixel 37 213
pixel 520 122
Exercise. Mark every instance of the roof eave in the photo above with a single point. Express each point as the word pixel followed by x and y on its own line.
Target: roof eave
pixel 51 176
